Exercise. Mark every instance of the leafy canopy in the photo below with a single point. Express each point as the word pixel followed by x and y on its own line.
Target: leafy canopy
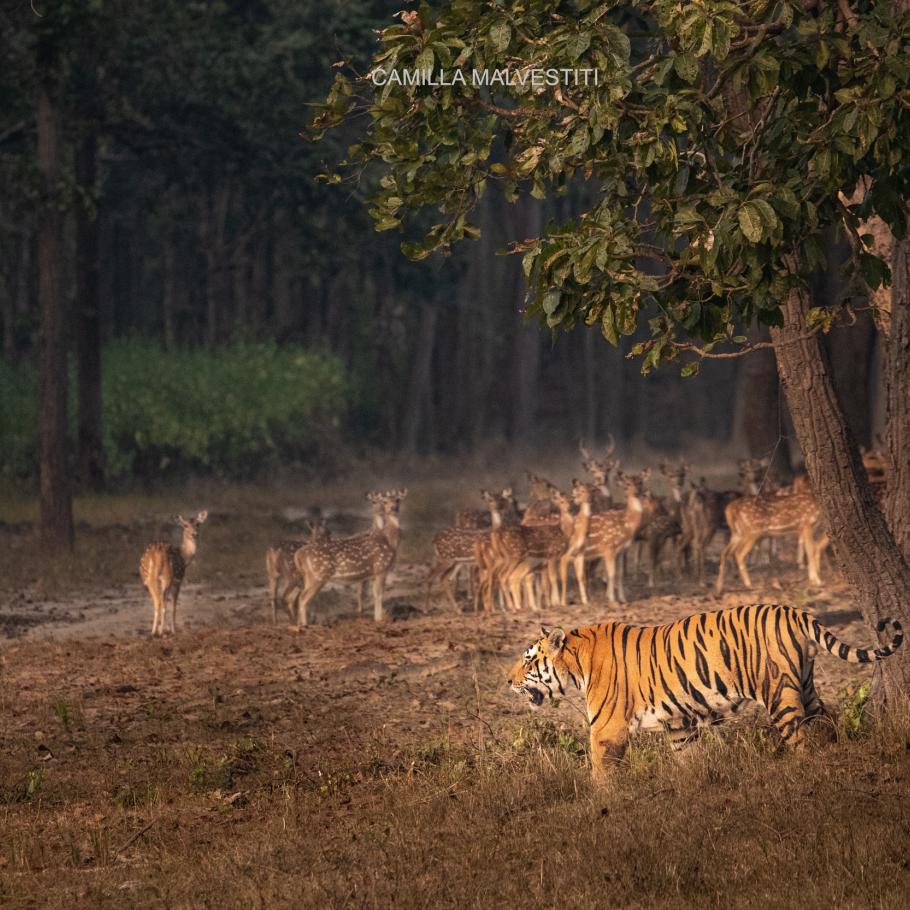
pixel 717 138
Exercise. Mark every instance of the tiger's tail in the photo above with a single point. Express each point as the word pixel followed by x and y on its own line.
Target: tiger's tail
pixel 833 645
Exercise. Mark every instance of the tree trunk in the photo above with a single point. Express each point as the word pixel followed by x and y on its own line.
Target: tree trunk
pixel 212 230
pixel 863 545
pixel 56 497
pixel 88 325
pixel 897 393
pixel 169 293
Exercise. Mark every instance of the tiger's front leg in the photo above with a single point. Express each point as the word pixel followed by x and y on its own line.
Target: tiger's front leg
pixel 608 745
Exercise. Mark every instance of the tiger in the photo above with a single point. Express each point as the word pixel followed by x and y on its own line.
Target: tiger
pixel 687 674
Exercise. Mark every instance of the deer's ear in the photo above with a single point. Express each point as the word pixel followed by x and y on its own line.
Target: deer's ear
pixel 201 516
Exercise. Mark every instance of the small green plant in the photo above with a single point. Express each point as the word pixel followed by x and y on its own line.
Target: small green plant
pixel 535 733
pixel 433 752
pixel 62 710
pixel 32 783
pixel 853 701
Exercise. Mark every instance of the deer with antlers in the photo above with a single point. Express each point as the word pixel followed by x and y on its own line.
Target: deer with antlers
pixel 162 568
pixel 602 471
pixel 752 518
pixel 363 557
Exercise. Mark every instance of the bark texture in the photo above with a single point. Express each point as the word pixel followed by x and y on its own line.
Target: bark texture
pixel 897 391
pixel 88 326
pixel 864 547
pixel 56 498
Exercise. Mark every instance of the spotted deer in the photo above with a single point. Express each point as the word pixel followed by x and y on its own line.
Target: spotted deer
pixel 455 548
pixel 539 509
pixel 162 568
pixel 752 518
pixel 511 555
pixel 479 519
pixel 281 573
pixel 602 472
pixel 497 555
pixel 606 534
pixel 363 557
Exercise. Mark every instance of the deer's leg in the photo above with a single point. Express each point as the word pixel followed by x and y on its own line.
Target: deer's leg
pixel 312 586
pixel 564 579
pixel 813 549
pixel 580 565
pixel 378 587
pixel 171 618
pixel 610 566
pixel 740 555
pixel 155 593
pixel 654 548
pixel 732 544
pixel 450 585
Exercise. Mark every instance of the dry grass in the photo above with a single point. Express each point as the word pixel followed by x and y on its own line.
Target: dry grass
pixel 252 768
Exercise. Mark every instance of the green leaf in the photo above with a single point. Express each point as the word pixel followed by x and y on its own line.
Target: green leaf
pixel 691 368
pixel 608 326
pixel 750 222
pixel 425 60
pixel 500 36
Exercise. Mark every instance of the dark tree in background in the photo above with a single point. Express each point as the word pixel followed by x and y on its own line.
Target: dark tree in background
pixel 56 503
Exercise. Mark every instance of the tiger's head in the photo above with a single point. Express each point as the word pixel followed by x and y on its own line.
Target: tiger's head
pixel 541 671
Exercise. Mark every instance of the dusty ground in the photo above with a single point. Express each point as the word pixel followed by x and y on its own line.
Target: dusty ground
pixel 136 771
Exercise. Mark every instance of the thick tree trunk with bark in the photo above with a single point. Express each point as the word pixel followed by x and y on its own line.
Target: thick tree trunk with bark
pixel 88 326
pixel 897 392
pixel 56 497
pixel 864 548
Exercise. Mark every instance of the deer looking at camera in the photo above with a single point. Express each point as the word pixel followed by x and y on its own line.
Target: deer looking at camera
pixel 606 534
pixel 162 568
pixel 602 472
pixel 363 557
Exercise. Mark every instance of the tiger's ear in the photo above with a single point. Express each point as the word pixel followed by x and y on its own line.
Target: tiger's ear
pixel 557 640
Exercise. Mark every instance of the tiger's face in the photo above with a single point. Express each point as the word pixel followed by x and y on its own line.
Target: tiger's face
pixel 540 672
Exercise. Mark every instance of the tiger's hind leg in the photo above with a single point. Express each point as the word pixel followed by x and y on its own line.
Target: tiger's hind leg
pixel 788 713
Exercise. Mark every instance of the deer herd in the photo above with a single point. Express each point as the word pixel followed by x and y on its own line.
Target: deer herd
pixel 518 556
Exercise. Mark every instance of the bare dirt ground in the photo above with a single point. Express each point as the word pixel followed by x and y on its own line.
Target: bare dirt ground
pixel 237 763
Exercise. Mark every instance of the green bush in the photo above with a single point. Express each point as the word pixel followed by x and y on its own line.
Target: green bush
pixel 228 412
